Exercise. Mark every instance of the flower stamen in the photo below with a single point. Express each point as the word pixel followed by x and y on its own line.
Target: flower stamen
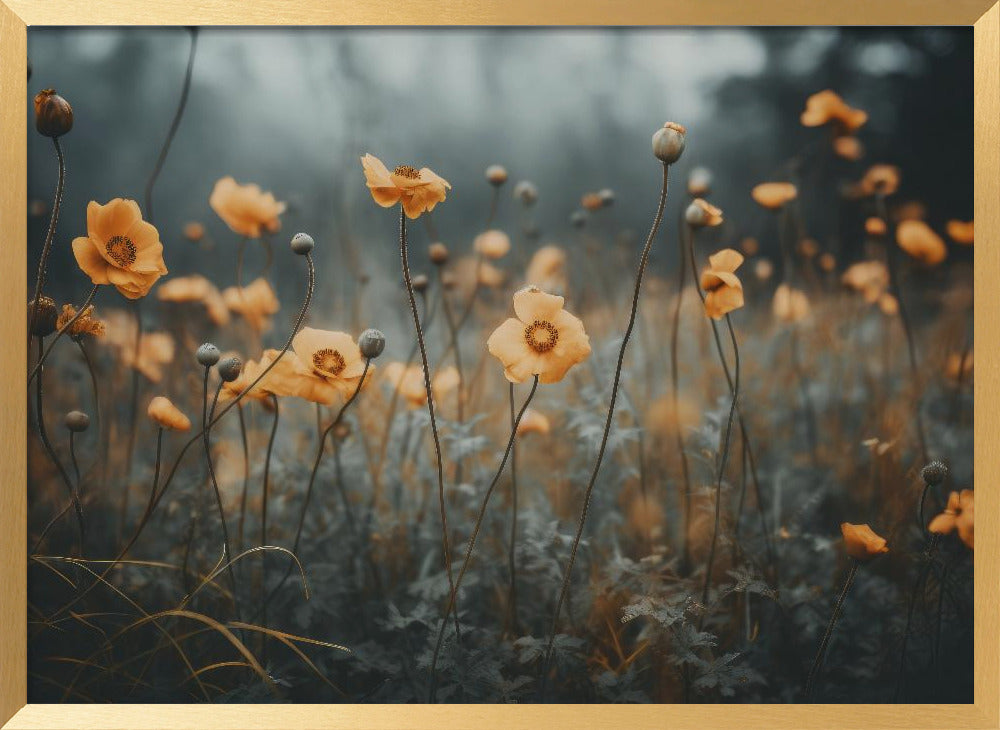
pixel 329 361
pixel 549 340
pixel 408 172
pixel 121 250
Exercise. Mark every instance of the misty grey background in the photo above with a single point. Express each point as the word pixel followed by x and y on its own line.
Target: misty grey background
pixel 570 109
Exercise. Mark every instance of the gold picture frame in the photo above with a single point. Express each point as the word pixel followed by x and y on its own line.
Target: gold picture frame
pixel 16 15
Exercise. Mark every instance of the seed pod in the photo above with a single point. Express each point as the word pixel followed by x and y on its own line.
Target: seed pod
pixel 371 343
pixel 53 114
pixel 77 421
pixel 438 253
pixel 668 142
pixel 934 473
pixel 230 369
pixel 302 243
pixel 45 317
pixel 207 355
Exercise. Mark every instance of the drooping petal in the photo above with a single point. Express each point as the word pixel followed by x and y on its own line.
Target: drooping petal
pixel 90 260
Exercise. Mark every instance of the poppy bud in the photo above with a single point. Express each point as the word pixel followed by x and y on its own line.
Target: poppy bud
pixel 668 142
pixel 700 182
pixel 302 243
pixel 53 114
pixel 77 421
pixel 419 282
pixel 934 473
pixel 45 317
pixel 526 192
pixel 207 355
pixel 371 343
pixel 230 369
pixel 438 253
pixel 496 174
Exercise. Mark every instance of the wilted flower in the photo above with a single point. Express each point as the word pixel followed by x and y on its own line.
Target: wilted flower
pixel 961 232
pixel 418 190
pixel 246 209
pixel 86 324
pixel 255 302
pixel 533 422
pixel 409 381
pixel 700 214
pixel 774 195
pixel 960 515
pixel 53 114
pixel 492 244
pixel 723 289
pixel 861 541
pixel 922 243
pixel 871 278
pixel 120 248
pixel 543 340
pixel 195 289
pixel 333 356
pixel 167 415
pixel 789 304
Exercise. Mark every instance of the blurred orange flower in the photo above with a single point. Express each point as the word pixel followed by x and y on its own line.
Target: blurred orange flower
pixel 774 195
pixel 879 179
pixel 871 278
pixel 875 226
pixel 246 209
pixel 533 422
pixel 288 378
pixel 120 248
pixel 256 302
pixel 418 190
pixel 789 304
pixel 545 340
pixel 547 269
pixel 198 289
pixel 861 541
pixel 723 289
pixel 961 232
pixel 492 244
pixel 333 356
pixel 409 381
pixel 848 147
pixel 155 350
pixel 826 107
pixel 960 515
pixel 922 243
pixel 167 415
pixel 958 368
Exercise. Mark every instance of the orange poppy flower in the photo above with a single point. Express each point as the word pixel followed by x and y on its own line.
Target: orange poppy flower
pixel 723 289
pixel 960 232
pixel 875 226
pixel 826 107
pixel 409 381
pixel 789 304
pixel 246 209
pixel 156 349
pixel 848 148
pixel 702 214
pixel 547 269
pixel 492 244
pixel 418 190
pixel 544 340
pixel 167 415
pixel 533 422
pixel 333 356
pixel 922 243
pixel 288 378
pixel 879 179
pixel 960 515
pixel 197 289
pixel 774 195
pixel 120 248
pixel 256 302
pixel 87 324
pixel 861 541
pixel 871 278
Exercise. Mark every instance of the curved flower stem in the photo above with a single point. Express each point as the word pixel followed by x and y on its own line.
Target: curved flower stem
pixel 607 426
pixel 445 544
pixel 460 390
pixel 51 452
pixel 227 554
pixel 825 643
pixel 685 562
pixel 494 201
pixel 312 478
pixel 43 261
pixel 133 418
pixel 59 333
pixel 723 459
pixel 511 556
pixel 751 459
pixel 904 319
pixel 246 477
pixel 918 589
pixel 72 458
pixel 99 421
pixel 162 158
pixel 303 310
pixel 475 533
pixel 265 494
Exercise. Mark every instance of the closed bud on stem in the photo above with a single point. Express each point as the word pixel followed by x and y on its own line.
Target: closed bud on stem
pixel 302 243
pixel 45 317
pixel 934 473
pixel 53 114
pixel 207 355
pixel 371 343
pixel 496 174
pixel 668 143
pixel 230 369
pixel 77 421
pixel 438 253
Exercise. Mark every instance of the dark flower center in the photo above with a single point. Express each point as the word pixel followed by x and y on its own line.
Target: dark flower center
pixel 542 336
pixel 408 172
pixel 329 361
pixel 121 250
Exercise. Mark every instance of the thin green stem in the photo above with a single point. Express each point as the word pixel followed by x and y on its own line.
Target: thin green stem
pixel 49 236
pixel 825 643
